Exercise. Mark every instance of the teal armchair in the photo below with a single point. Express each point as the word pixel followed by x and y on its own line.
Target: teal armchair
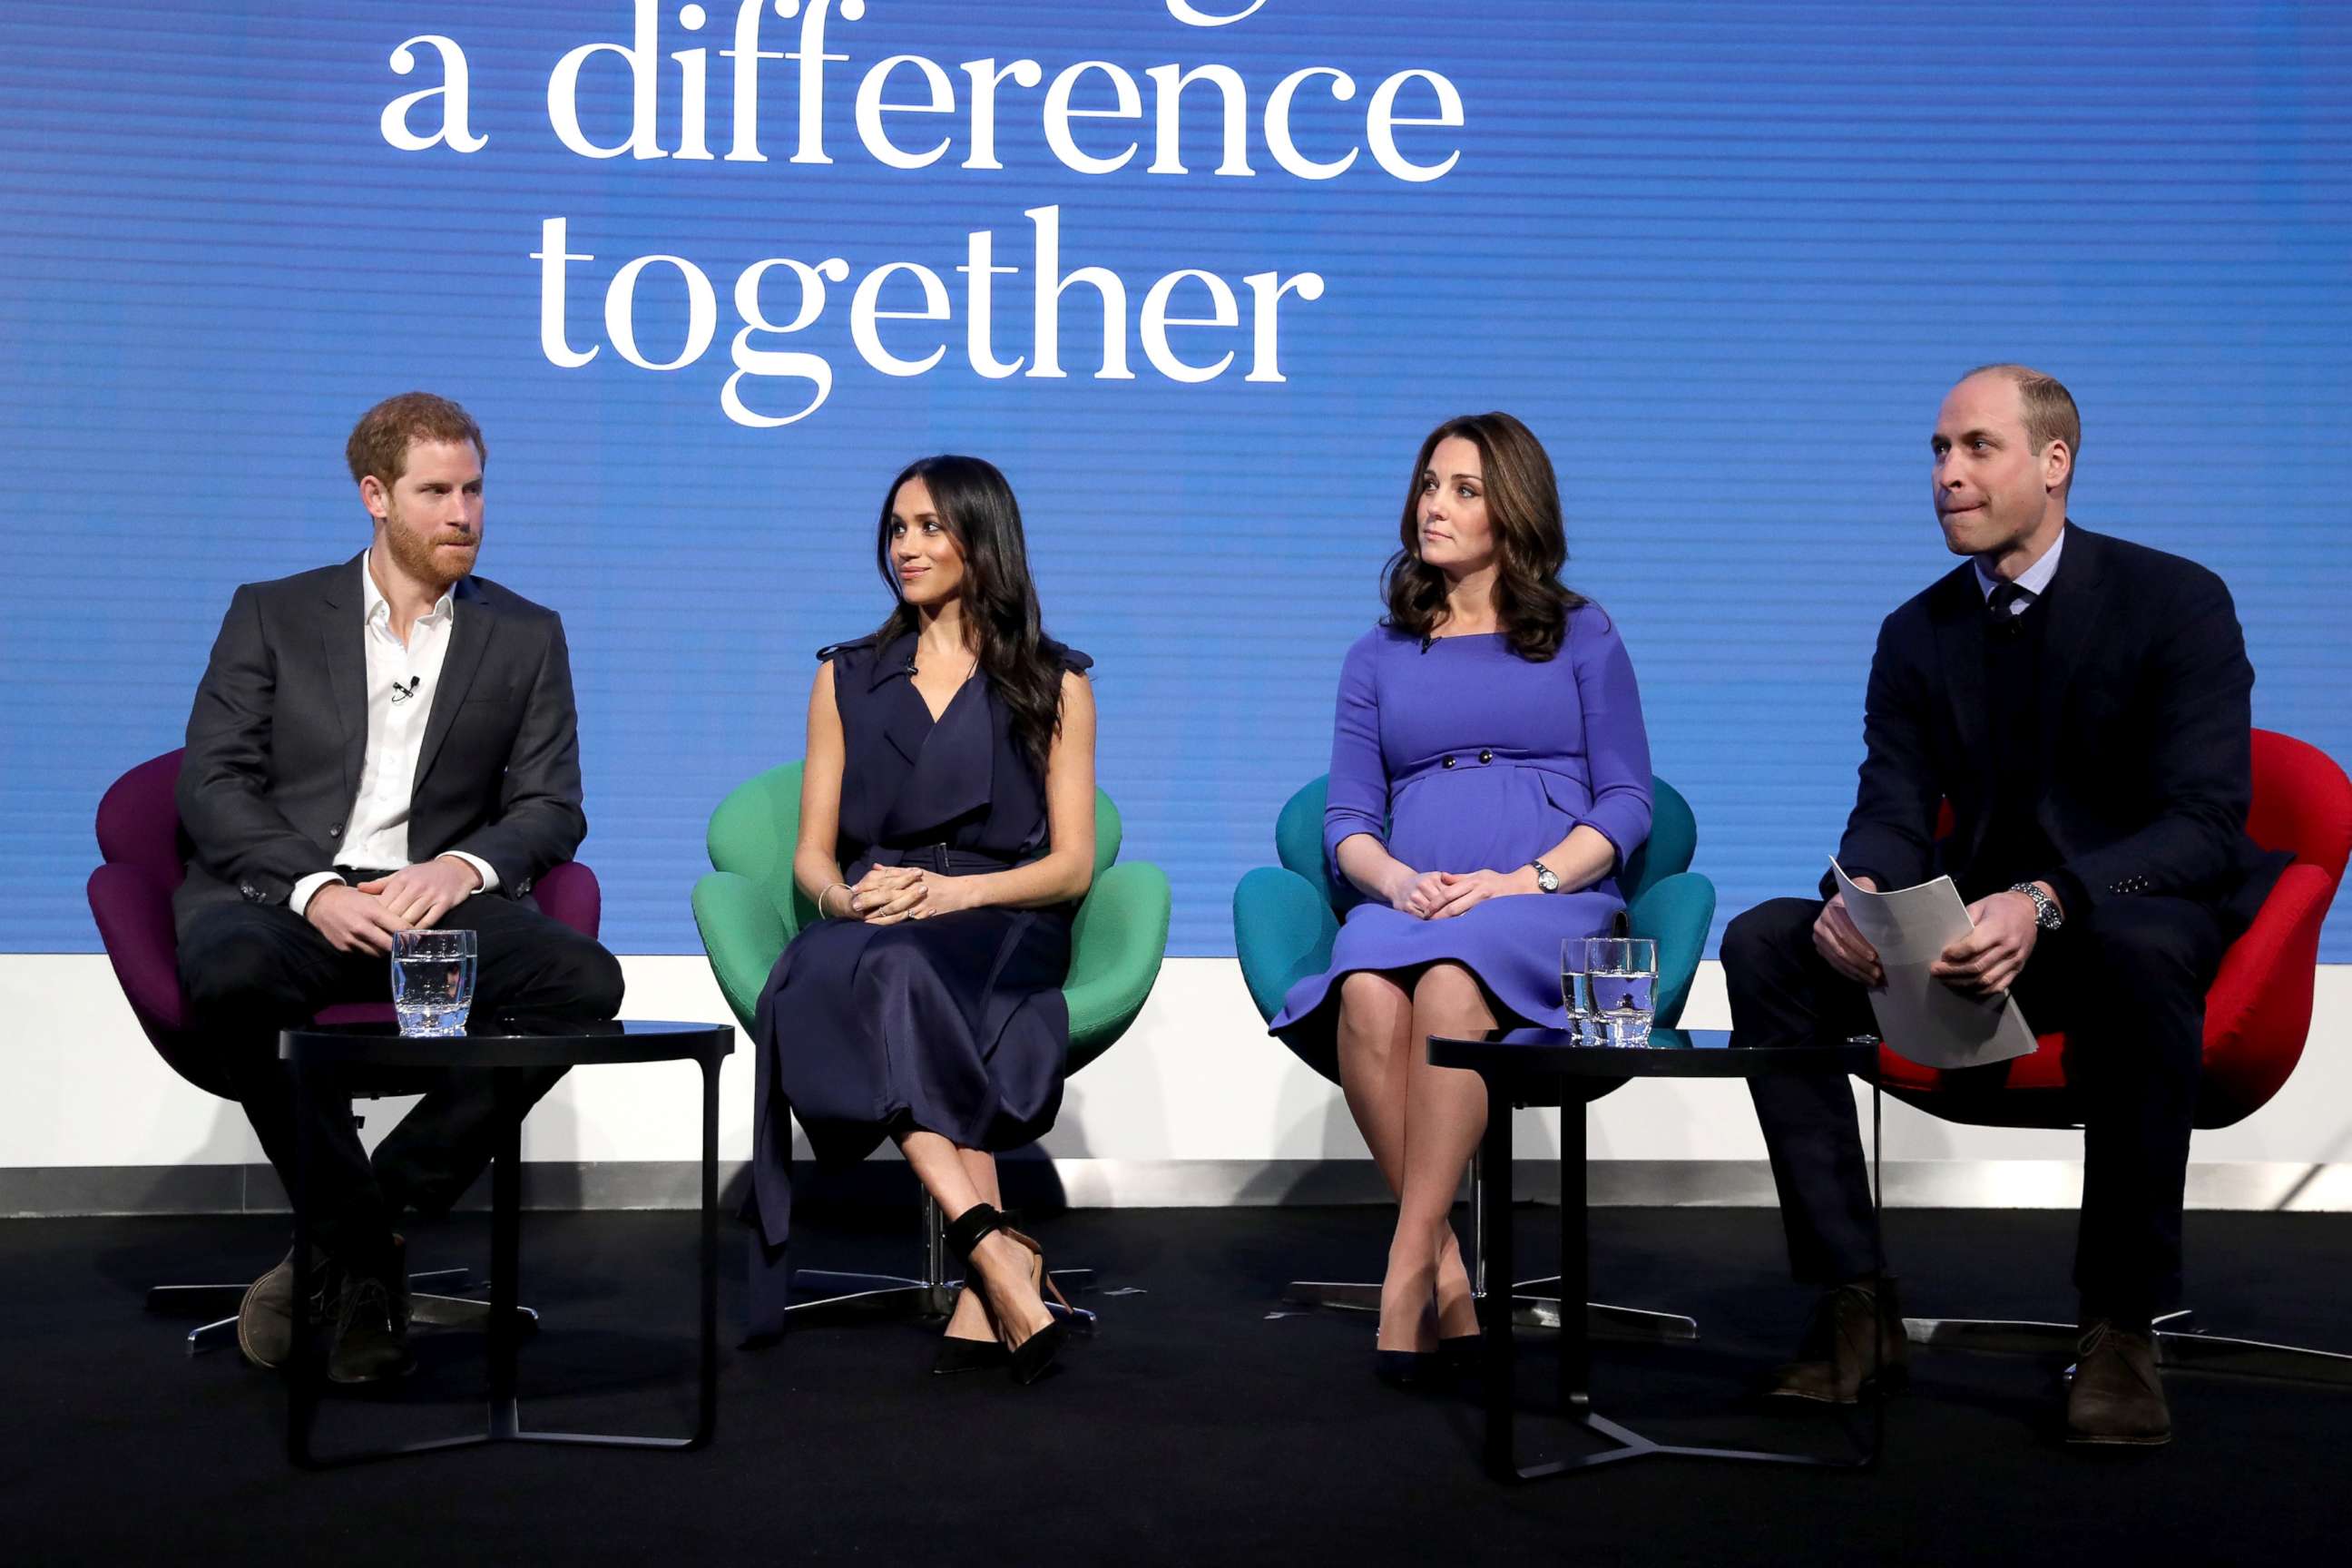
pixel 747 907
pixel 1286 916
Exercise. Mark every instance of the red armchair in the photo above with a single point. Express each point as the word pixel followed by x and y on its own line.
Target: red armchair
pixel 145 856
pixel 2257 1016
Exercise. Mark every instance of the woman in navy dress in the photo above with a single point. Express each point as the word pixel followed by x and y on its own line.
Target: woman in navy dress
pixel 947 833
pixel 1490 775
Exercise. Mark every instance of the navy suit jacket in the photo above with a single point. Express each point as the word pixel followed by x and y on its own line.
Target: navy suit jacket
pixel 279 729
pixel 2140 733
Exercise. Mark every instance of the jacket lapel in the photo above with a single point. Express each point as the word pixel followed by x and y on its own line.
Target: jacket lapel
pixel 344 649
pixel 950 762
pixel 473 622
pixel 907 724
pixel 951 778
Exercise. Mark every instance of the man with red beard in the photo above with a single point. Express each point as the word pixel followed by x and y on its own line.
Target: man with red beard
pixel 385 744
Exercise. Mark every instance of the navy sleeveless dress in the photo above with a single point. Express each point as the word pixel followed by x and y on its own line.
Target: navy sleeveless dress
pixel 953 1024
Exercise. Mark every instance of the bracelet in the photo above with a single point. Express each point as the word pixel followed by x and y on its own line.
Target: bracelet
pixel 828 893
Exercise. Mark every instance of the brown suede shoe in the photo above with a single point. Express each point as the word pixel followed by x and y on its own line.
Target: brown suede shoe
pixel 368 1331
pixel 2116 1396
pixel 1834 1362
pixel 265 1319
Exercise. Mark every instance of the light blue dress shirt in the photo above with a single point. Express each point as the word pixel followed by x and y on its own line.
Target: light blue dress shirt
pixel 2036 578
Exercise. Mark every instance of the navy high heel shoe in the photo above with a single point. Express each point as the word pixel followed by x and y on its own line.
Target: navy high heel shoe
pixel 1405 1369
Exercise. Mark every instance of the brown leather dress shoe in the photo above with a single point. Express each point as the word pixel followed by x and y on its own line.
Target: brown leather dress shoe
pixel 1834 1361
pixel 2116 1396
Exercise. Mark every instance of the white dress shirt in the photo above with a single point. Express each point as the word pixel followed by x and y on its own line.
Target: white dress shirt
pixel 2035 580
pixel 401 678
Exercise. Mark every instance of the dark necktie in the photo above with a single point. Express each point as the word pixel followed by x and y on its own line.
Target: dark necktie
pixel 2000 606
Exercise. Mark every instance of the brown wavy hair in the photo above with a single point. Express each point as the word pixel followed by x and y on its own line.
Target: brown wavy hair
pixel 1531 604
pixel 1000 600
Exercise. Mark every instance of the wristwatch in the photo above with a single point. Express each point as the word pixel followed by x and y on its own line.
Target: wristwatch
pixel 1547 879
pixel 2045 913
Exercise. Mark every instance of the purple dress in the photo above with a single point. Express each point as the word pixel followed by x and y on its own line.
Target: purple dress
pixel 1464 757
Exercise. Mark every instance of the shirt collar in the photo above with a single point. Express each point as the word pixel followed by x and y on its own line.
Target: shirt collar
pixel 2036 580
pixel 379 608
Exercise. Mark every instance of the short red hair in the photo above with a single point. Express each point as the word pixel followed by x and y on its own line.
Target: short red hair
pixel 380 441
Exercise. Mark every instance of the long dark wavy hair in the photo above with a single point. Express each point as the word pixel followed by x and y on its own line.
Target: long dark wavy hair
pixel 1000 601
pixel 1531 604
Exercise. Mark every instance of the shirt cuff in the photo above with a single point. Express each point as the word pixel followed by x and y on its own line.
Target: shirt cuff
pixel 482 868
pixel 299 902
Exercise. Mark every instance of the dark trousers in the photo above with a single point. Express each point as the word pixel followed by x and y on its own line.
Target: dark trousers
pixel 2125 981
pixel 250 970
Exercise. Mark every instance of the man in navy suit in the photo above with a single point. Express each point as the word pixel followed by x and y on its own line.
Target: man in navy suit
pixel 384 744
pixel 2083 704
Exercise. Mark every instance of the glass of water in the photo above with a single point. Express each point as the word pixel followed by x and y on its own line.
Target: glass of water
pixel 1622 974
pixel 433 980
pixel 1576 995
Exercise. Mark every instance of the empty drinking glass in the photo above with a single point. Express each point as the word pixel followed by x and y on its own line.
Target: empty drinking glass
pixel 433 980
pixel 1622 972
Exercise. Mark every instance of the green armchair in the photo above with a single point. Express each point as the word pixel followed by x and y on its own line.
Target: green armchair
pixel 1285 919
pixel 747 907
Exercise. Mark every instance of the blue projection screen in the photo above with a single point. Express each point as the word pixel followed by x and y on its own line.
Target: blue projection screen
pixel 1197 277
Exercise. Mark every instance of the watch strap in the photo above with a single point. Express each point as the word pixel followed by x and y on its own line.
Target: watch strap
pixel 2045 913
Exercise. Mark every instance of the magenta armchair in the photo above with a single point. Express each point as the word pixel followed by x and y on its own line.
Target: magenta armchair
pixel 144 855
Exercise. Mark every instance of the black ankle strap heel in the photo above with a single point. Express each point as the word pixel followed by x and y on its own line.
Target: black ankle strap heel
pixel 1033 1355
pixel 972 1227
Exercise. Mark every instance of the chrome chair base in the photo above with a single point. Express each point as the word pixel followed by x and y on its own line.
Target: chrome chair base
pixel 1527 1311
pixel 425 1309
pixel 2179 1344
pixel 859 1296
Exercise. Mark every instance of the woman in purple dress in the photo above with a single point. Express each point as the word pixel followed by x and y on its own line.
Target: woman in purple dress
pixel 1490 775
pixel 947 834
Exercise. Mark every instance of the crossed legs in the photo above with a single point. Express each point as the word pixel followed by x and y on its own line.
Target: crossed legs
pixel 1007 1298
pixel 1421 1122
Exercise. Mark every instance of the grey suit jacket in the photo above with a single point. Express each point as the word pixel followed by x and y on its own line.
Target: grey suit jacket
pixel 280 730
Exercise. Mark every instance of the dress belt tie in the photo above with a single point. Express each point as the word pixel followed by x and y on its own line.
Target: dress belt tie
pixel 938 857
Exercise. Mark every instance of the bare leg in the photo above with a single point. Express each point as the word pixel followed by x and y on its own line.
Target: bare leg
pixel 1377 1042
pixel 1375 1035
pixel 1446 1112
pixel 970 1320
pixel 1000 1267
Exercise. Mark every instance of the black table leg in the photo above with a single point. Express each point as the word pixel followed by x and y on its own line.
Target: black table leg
pixel 1575 1340
pixel 706 1364
pixel 1575 1266
pixel 303 1361
pixel 1499 1360
pixel 706 1424
pixel 506 1261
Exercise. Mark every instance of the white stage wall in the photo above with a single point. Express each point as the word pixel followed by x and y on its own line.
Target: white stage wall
pixel 1195 1105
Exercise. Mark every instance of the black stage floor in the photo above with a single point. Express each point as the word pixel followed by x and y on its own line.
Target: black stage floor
pixel 1199 1426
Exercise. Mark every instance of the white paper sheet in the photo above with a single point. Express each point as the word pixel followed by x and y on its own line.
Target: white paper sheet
pixel 1920 1016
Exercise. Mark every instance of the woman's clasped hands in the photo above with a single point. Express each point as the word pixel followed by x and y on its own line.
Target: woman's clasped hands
pixel 1439 895
pixel 888 894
